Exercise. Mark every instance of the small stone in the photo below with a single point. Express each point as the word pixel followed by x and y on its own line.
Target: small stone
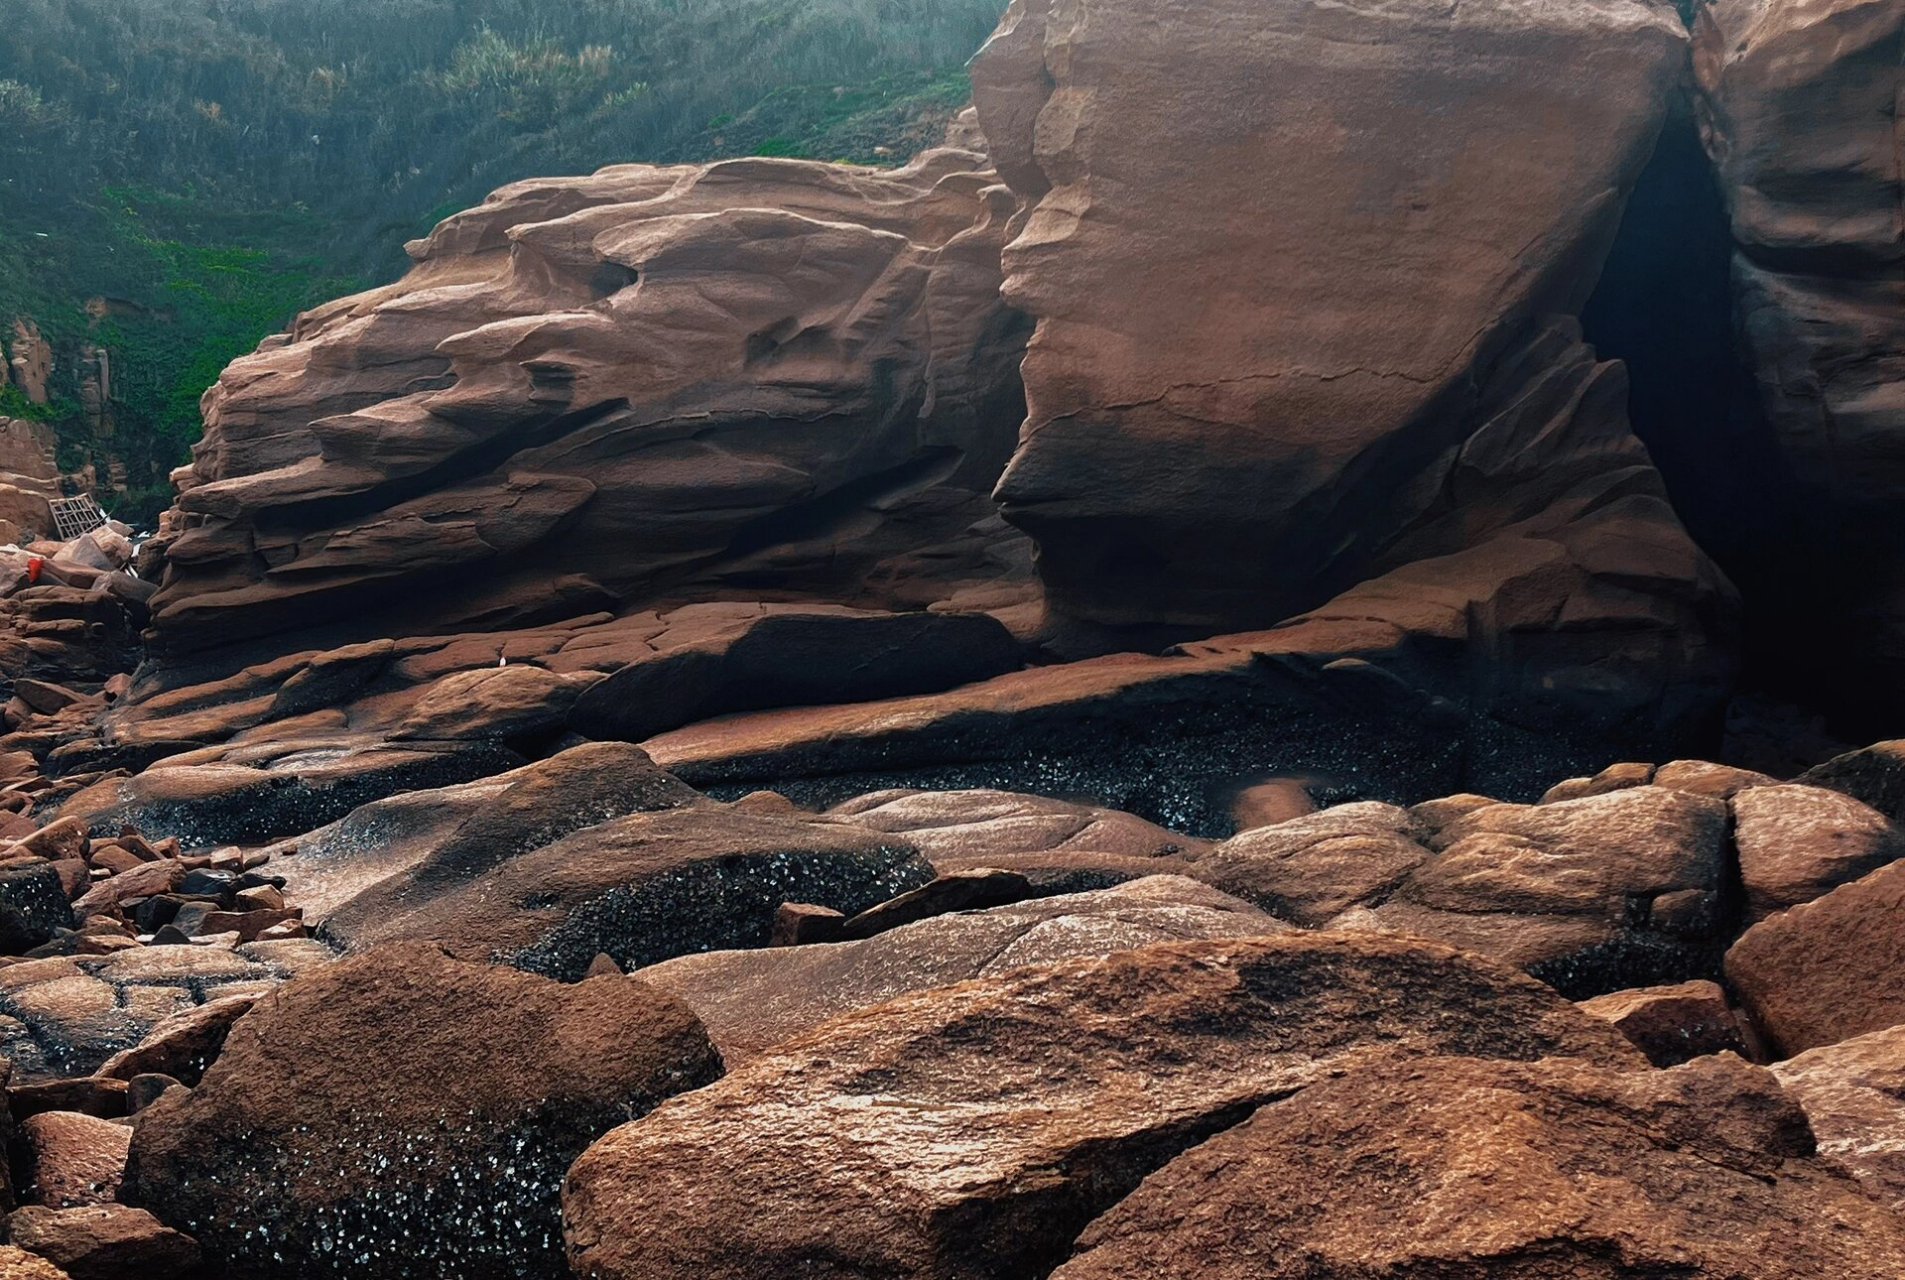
pixel 1673 1024
pixel 145 1089
pixel 115 858
pixel 18 1264
pixel 260 898
pixel 603 966
pixel 797 924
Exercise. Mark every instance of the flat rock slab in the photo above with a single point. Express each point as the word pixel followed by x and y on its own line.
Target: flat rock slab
pixel 640 889
pixel 972 1131
pixel 751 1001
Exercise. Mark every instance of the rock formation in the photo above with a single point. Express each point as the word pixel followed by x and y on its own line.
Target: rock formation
pixel 792 379
pixel 1292 340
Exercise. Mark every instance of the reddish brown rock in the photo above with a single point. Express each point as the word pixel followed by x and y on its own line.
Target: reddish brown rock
pixel 1676 1024
pixel 640 889
pixel 1854 1095
pixel 1798 842
pixel 1874 775
pixel 1245 397
pixel 438 1147
pixel 1314 868
pixel 1829 970
pixel 1462 1168
pixel 18 1264
pixel 972 1131
pixel 104 1242
pixel 958 830
pixel 181 1046
pixel 73 1159
pixel 643 379
pixel 751 1001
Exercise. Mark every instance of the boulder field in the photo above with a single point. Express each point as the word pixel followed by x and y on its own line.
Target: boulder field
pixel 1119 701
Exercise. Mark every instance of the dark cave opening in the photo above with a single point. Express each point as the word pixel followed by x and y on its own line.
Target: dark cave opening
pixel 1664 306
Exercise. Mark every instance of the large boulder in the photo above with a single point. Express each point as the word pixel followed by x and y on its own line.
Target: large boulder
pixel 403 1113
pixel 1462 1168
pixel 1799 108
pixel 1247 396
pixel 1829 970
pixel 795 376
pixel 972 1131
pixel 751 1001
pixel 1798 842
pixel 1854 1095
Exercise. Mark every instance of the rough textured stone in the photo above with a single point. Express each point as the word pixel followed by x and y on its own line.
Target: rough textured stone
pixel 790 658
pixel 972 1131
pixel 1854 1095
pixel 1676 1024
pixel 1873 775
pixel 104 1242
pixel 18 1264
pixel 1463 1168
pixel 73 1159
pixel 1314 868
pixel 467 829
pixel 751 1001
pixel 436 1106
pixel 182 1045
pixel 1829 970
pixel 1799 842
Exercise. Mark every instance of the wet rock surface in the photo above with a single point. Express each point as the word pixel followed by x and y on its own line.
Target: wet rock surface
pixel 440 1147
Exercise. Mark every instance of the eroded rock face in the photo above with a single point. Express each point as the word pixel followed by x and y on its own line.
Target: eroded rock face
pixel 797 376
pixel 435 1108
pixel 1800 116
pixel 972 1131
pixel 1292 339
pixel 1556 1169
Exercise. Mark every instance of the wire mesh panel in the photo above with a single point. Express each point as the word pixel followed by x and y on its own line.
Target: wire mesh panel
pixel 76 517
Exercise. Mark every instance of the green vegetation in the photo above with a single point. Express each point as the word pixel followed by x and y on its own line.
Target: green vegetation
pixel 179 177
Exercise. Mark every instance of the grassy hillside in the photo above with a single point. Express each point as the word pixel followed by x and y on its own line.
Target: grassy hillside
pixel 199 170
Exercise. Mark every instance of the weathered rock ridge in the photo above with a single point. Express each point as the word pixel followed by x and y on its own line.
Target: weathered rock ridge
pixel 790 377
